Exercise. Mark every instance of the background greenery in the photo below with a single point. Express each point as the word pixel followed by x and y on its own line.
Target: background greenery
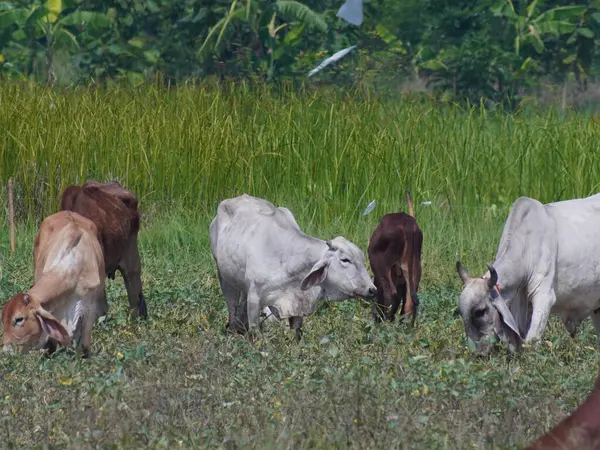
pixel 177 381
pixel 500 50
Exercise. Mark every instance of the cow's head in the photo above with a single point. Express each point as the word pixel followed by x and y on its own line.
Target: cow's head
pixel 26 325
pixel 341 272
pixel 485 313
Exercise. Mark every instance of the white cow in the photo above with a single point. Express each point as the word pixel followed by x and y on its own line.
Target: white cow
pixel 263 260
pixel 548 261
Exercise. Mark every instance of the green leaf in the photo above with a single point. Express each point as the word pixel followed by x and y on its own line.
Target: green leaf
pixel 525 65
pixel 569 59
pixel 596 17
pixel 294 34
pixel 36 14
pixel 19 35
pixel 531 8
pixel 561 13
pixel 67 36
pixel 137 42
pixel 434 64
pixel 88 18
pixel 135 79
pixel 152 56
pixel 301 13
pixel 386 35
pixel 13 17
pixel 585 32
pixel 554 27
pixel 227 20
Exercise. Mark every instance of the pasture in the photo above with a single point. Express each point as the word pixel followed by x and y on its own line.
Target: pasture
pixel 177 380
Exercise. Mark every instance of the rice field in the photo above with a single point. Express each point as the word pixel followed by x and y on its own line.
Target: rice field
pixel 177 380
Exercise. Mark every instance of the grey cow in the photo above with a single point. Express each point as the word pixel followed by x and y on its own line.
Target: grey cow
pixel 548 261
pixel 263 260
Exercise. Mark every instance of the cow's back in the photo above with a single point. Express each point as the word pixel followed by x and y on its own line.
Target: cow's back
pixel 112 209
pixel 249 231
pixel 67 242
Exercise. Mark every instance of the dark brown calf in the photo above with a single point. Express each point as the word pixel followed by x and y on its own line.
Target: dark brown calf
pixel 114 210
pixel 395 258
pixel 579 431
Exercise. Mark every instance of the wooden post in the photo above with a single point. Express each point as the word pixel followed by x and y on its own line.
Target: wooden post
pixel 11 215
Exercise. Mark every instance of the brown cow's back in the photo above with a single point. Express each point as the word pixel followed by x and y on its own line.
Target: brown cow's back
pixel 112 209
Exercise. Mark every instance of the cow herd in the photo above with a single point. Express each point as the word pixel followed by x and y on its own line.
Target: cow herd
pixel 547 262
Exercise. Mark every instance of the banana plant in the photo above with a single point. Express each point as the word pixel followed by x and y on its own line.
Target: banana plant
pixel 265 20
pixel 531 26
pixel 47 24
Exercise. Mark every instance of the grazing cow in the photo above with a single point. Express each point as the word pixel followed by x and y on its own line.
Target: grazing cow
pixel 114 210
pixel 548 261
pixel 264 259
pixel 395 257
pixel 579 431
pixel 68 292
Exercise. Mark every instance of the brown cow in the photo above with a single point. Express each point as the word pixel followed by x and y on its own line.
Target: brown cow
pixel 68 292
pixel 579 431
pixel 114 210
pixel 395 257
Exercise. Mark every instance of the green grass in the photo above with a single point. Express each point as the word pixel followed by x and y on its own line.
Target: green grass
pixel 177 380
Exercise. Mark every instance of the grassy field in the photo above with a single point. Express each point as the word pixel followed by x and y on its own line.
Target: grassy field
pixel 177 380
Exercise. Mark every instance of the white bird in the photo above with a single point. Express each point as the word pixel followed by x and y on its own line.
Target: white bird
pixel 331 59
pixel 369 208
pixel 351 12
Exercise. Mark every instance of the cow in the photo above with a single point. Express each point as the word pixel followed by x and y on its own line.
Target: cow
pixel 114 210
pixel 264 259
pixel 395 257
pixel 548 261
pixel 68 292
pixel 579 431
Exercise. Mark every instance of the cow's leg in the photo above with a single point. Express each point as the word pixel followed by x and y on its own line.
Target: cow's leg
pixel 542 303
pixel 131 267
pixel 386 295
pixel 85 341
pixel 401 295
pixel 235 301
pixel 296 325
pixel 102 304
pixel 253 309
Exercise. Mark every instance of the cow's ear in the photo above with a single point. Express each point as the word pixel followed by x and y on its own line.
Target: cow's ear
pixel 316 276
pixel 464 276
pixel 52 327
pixel 510 331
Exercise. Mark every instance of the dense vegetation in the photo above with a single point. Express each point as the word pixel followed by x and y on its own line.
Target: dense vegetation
pixel 177 381
pixel 500 50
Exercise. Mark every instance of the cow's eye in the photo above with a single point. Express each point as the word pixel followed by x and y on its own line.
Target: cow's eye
pixel 479 312
pixel 345 261
pixel 19 321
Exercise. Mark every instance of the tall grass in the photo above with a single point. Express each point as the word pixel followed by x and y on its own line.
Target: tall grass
pixel 322 155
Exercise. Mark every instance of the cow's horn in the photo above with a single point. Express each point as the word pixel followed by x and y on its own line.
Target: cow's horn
pixel 493 280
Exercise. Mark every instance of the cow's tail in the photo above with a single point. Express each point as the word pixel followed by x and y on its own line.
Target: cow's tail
pixel 411 209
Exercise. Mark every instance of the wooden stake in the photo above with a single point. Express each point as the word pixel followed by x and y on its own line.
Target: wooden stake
pixel 11 215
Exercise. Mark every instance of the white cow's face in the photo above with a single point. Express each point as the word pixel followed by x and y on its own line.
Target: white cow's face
pixel 341 272
pixel 485 314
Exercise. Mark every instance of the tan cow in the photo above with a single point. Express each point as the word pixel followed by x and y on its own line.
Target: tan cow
pixel 68 292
